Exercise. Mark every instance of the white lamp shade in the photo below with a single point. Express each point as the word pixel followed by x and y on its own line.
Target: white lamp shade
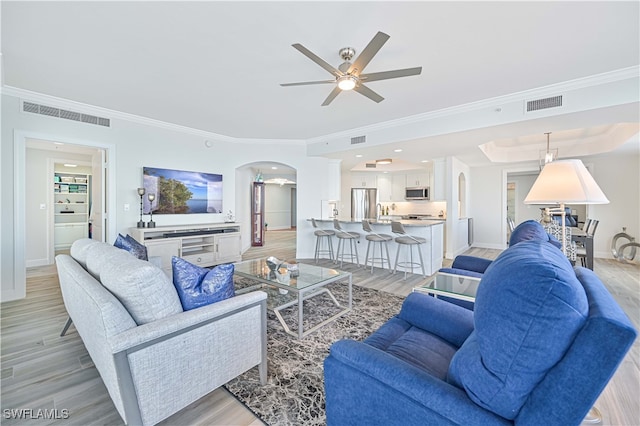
pixel 565 181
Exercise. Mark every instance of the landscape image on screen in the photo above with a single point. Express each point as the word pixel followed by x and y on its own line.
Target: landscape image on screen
pixel 181 192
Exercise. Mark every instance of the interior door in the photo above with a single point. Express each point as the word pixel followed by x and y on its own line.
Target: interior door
pixel 98 215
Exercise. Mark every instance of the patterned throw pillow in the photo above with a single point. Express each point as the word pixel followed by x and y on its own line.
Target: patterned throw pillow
pixel 130 244
pixel 198 286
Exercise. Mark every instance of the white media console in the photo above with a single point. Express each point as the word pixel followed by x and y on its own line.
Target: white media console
pixel 206 244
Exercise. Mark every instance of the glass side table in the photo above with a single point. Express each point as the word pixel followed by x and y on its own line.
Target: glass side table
pixel 452 285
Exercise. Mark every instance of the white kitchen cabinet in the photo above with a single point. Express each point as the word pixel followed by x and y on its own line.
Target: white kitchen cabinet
pixel 399 184
pixel 385 188
pixel 363 180
pixel 418 178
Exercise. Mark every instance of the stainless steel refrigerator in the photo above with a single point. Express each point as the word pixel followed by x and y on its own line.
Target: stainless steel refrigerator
pixel 363 203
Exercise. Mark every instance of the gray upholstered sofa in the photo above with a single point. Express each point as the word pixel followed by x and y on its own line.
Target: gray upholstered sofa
pixel 154 358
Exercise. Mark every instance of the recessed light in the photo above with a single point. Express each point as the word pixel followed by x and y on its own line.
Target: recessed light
pixel 71 165
pixel 58 143
pixel 397 150
pixel 274 168
pixel 358 155
pixel 424 161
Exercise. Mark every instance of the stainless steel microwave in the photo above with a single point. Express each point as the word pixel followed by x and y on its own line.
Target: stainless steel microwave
pixel 416 193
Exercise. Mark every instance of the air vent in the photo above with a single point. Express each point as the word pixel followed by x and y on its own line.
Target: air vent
pixel 67 115
pixel 358 139
pixel 538 104
pixel 370 165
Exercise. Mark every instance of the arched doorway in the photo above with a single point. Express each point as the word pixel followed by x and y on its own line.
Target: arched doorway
pixel 280 205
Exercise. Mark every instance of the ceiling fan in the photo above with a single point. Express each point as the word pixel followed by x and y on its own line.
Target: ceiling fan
pixel 349 76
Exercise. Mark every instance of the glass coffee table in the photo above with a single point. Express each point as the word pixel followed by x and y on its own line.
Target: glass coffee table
pixel 452 285
pixel 309 281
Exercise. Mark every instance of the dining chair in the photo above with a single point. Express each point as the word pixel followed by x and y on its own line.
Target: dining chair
pixel 581 251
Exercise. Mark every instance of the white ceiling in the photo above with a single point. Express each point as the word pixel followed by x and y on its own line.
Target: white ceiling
pixel 217 66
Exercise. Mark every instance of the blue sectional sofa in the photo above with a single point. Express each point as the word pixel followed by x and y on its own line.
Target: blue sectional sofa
pixel 539 348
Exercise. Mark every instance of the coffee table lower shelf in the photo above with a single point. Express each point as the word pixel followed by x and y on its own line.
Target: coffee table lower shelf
pixel 452 285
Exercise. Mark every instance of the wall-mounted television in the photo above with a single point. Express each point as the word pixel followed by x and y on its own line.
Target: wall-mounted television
pixel 181 192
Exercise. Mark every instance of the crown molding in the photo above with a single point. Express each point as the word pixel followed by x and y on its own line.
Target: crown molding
pixel 540 92
pixel 552 89
pixel 57 102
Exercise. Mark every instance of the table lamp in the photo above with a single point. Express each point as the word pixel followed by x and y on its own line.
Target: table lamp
pixel 151 223
pixel 141 192
pixel 565 182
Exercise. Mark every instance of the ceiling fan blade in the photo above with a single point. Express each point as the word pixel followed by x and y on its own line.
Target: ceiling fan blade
pixel 364 90
pixel 384 75
pixel 305 83
pixel 368 53
pixel 335 92
pixel 318 60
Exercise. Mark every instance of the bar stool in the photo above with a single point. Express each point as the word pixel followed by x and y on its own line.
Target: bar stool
pixel 410 241
pixel 346 235
pixel 320 235
pixel 381 239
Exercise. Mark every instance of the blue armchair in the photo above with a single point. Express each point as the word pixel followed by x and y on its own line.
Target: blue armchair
pixel 538 353
pixel 471 266
pixel 468 266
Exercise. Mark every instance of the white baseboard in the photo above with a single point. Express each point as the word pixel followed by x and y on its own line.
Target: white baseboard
pixel 36 262
pixel 489 246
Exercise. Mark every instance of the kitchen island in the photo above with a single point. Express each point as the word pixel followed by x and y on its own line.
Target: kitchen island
pixel 431 230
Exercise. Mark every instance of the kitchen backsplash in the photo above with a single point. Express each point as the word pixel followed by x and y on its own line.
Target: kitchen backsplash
pixel 422 207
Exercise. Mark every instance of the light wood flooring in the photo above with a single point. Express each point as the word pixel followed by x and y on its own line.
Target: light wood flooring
pixel 40 369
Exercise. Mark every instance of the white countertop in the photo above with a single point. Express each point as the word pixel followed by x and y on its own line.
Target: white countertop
pixel 407 222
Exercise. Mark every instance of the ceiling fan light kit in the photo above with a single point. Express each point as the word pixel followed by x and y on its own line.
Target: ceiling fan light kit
pixel 346 82
pixel 349 76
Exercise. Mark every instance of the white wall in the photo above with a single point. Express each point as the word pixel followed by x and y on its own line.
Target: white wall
pixel 524 211
pixel 457 227
pixel 617 174
pixel 136 144
pixel 277 206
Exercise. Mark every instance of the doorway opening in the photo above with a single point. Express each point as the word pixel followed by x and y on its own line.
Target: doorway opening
pixel 39 197
pixel 71 203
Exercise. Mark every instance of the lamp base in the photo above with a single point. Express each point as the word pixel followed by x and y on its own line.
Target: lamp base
pixel 151 224
pixel 141 224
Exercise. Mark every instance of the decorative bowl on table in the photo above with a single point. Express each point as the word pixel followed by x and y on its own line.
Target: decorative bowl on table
pixel 273 263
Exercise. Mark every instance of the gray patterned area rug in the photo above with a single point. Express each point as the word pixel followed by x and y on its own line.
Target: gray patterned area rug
pixel 294 393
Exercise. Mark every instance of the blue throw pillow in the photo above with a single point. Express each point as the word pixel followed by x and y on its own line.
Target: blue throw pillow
pixel 130 244
pixel 201 286
pixel 528 311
